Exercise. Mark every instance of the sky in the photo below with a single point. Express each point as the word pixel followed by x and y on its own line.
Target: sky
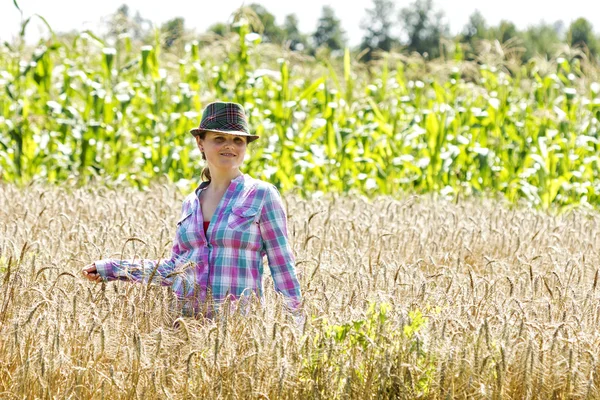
pixel 66 15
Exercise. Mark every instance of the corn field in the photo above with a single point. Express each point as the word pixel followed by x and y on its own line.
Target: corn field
pixel 81 110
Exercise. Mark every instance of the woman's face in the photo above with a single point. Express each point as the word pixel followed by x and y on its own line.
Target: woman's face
pixel 222 150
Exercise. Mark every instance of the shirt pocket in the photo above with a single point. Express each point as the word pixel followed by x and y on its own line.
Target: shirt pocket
pixel 188 234
pixel 242 217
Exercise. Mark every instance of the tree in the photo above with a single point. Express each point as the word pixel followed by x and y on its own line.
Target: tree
pixel 121 23
pixel 329 31
pixel 271 32
pixel 220 28
pixel 559 27
pixel 475 30
pixel 173 31
pixel 581 33
pixel 505 31
pixel 140 27
pixel 377 26
pixel 424 27
pixel 292 34
pixel 540 39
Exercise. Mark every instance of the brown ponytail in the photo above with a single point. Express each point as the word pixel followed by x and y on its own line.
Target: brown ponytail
pixel 205 176
pixel 205 172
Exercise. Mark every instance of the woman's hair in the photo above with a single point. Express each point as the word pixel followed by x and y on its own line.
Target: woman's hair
pixel 205 171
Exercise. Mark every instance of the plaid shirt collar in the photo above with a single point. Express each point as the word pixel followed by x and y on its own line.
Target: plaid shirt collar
pixel 238 180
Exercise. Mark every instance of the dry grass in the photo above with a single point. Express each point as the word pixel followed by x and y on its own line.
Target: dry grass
pixel 484 302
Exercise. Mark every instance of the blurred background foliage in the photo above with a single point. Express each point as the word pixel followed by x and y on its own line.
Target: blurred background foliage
pixel 492 110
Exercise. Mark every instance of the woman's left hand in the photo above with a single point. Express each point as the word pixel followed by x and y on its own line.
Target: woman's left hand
pixel 91 273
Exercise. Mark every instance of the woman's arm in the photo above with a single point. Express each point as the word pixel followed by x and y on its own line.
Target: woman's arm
pixel 273 229
pixel 137 270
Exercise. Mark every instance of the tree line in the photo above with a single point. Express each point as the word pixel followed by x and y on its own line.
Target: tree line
pixel 420 27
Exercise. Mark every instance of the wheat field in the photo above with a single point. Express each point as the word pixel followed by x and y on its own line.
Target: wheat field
pixel 406 298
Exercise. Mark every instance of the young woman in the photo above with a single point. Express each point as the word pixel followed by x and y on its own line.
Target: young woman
pixel 226 227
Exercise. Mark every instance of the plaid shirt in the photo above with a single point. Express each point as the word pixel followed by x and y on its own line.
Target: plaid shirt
pixel 249 222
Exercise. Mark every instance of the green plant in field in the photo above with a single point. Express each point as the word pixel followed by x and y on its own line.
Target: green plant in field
pixel 3 264
pixel 360 332
pixel 360 341
pixel 412 331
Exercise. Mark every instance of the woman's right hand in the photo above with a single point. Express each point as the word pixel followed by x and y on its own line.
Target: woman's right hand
pixel 91 273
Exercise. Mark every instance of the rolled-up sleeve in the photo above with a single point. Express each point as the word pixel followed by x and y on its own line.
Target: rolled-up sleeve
pixel 273 230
